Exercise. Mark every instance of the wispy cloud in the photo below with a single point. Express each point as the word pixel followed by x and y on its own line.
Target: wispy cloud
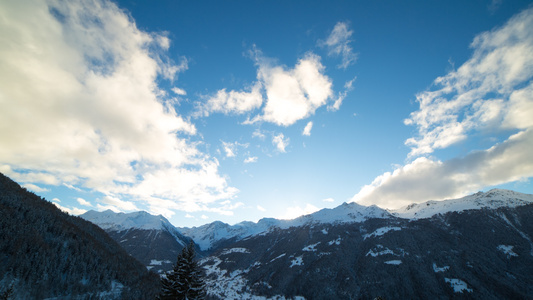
pixel 491 92
pixel 233 102
pixel 307 129
pixel 35 188
pixel 338 44
pixel 92 91
pixel 84 202
pixel 485 92
pixel 73 211
pixel 250 159
pixel 281 142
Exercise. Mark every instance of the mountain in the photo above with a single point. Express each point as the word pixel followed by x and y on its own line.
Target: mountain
pixel 45 253
pixel 492 199
pixel 476 247
pixel 152 240
pixel 218 234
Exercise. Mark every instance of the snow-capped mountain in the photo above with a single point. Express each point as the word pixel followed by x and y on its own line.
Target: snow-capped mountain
pixel 214 235
pixel 152 240
pixel 492 199
pixel 109 220
pixel 477 247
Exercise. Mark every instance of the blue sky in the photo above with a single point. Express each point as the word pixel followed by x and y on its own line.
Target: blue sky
pixel 238 110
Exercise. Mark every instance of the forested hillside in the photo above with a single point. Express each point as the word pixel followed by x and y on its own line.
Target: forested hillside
pixel 47 253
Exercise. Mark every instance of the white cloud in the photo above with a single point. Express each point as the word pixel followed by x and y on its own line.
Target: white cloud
pixel 258 134
pixel 204 217
pixel 338 44
pixel 73 211
pixel 296 211
pixel 348 86
pixel 285 95
pixel 84 202
pixel 280 142
pixel 229 148
pixel 233 102
pixel 293 94
pixel 307 129
pixel 87 78
pixel 260 208
pixel 250 159
pixel 56 200
pixel 426 179
pixel 330 200
pixel 189 216
pixel 121 205
pixel 179 91
pixel 494 85
pixel 491 92
pixel 34 188
pixel 70 186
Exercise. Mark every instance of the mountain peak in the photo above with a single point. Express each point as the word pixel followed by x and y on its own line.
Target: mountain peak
pixel 123 221
pixel 493 198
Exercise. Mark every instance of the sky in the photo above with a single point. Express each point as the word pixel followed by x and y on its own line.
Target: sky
pixel 239 110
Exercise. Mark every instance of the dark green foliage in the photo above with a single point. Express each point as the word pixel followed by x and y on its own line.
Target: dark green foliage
pixel 184 281
pixel 46 253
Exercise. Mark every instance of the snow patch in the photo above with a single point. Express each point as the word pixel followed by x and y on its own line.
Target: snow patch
pixel 394 262
pixel 297 261
pixel 280 256
pixel 235 250
pixel 310 248
pixel 324 231
pixel 507 250
pixel 380 250
pixel 458 285
pixel 336 242
pixel 442 269
pixel 155 262
pixel 381 231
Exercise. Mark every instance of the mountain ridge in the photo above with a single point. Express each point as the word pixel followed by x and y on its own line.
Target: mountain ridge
pixel 211 235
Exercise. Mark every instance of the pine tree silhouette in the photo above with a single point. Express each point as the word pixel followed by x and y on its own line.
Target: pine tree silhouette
pixel 184 281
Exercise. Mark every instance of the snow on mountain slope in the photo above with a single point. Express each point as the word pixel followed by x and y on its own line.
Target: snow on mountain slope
pixel 109 220
pixel 344 213
pixel 494 198
pixel 208 235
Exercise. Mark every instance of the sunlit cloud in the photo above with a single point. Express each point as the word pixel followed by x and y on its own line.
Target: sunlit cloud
pixel 250 159
pixel 307 129
pixel 281 142
pixel 87 78
pixel 34 188
pixel 84 202
pixel 73 211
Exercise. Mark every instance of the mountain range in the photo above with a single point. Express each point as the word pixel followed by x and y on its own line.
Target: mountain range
pixel 477 246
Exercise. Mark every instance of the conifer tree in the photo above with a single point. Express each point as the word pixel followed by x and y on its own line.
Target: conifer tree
pixel 184 281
